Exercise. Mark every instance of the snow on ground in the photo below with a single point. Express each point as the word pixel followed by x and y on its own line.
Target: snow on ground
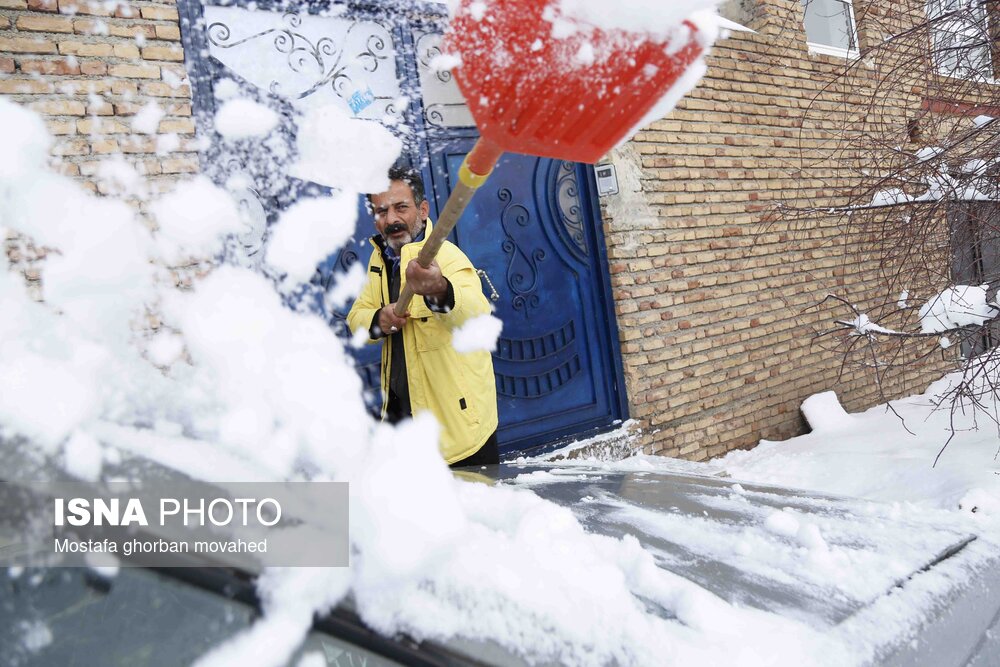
pixel 881 454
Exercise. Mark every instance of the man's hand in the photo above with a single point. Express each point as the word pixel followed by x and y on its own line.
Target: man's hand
pixel 426 282
pixel 389 322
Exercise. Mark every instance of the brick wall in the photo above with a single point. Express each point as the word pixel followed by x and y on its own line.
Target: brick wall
pixel 716 298
pixel 89 67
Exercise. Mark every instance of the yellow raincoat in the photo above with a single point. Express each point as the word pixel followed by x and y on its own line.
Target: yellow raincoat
pixel 459 389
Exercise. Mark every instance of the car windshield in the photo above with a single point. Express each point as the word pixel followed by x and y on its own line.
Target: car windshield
pixel 140 618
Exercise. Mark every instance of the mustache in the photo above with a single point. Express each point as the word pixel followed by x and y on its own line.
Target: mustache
pixel 395 227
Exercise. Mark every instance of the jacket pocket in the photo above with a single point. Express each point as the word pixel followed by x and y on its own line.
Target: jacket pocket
pixel 429 333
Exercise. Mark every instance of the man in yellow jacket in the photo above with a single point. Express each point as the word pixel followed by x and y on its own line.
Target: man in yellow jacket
pixel 420 368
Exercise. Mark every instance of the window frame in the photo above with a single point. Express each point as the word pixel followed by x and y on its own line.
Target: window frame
pixel 828 49
pixel 956 73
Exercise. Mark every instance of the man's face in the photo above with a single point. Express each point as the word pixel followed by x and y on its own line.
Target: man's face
pixel 397 217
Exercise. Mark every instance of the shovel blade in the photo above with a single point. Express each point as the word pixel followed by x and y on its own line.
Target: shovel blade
pixel 572 97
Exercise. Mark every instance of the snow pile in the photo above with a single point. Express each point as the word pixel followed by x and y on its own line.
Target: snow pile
pixel 824 412
pixel 342 152
pixel 881 456
pixel 516 576
pixel 890 197
pixel 478 333
pixel 958 306
pixel 240 118
pixel 84 456
pixel 928 153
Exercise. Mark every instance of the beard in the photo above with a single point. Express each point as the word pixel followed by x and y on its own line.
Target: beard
pixel 397 242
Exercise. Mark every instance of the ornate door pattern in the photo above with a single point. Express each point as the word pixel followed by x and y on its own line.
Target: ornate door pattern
pixel 534 228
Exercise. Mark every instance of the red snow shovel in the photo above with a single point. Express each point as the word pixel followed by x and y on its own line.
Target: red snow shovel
pixel 570 98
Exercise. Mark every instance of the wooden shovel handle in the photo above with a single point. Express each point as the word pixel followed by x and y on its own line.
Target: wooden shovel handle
pixel 476 168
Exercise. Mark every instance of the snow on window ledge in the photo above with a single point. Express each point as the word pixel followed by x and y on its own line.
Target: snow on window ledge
pixel 836 51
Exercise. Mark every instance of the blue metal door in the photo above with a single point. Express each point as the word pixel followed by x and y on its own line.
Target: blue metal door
pixel 531 228
pixel 534 227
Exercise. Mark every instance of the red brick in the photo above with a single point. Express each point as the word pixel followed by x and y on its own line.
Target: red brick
pixel 45 24
pixel 180 126
pixel 55 66
pixel 59 107
pixel 159 13
pixel 84 7
pixel 101 108
pixel 105 146
pixel 96 27
pixel 13 4
pixel 127 88
pixel 66 168
pixel 61 127
pixel 172 53
pixel 129 51
pixel 25 87
pixel 24 45
pixel 83 86
pixel 93 68
pixel 6 65
pixel 43 5
pixel 71 147
pixel 102 126
pixel 135 71
pixel 183 165
pixel 171 32
pixel 96 49
pixel 160 89
pixel 138 145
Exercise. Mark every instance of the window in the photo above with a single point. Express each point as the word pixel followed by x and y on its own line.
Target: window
pixel 830 27
pixel 975 259
pixel 960 38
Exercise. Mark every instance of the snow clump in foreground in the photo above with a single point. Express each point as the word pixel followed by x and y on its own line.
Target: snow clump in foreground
pixel 240 118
